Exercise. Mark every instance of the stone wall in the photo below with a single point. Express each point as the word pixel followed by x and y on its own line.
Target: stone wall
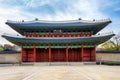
pixel 108 56
pixel 10 58
pixel 15 57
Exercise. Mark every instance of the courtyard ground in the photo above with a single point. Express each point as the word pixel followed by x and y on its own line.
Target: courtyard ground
pixel 83 72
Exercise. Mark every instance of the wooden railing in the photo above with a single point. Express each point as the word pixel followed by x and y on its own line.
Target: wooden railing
pixel 82 34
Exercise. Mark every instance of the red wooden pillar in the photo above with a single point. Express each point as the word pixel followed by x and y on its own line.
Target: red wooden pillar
pixel 49 53
pixel 34 53
pixel 94 53
pixel 66 53
pixel 82 52
pixel 22 54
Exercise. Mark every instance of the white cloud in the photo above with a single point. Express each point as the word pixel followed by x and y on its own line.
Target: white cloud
pixel 78 8
pixel 86 9
pixel 38 3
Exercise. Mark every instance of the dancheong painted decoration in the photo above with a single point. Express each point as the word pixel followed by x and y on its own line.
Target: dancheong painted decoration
pixel 58 41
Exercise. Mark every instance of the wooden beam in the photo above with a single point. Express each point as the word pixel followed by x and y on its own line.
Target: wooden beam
pixel 34 53
pixel 67 54
pixel 50 54
pixel 82 53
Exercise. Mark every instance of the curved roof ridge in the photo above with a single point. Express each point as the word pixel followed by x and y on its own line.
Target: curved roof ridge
pixel 61 21
pixel 103 34
pixel 18 36
pixel 70 41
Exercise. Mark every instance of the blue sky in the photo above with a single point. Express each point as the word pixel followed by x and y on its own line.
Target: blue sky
pixel 18 10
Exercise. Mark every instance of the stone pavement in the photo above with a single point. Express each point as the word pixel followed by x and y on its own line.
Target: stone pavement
pixel 83 72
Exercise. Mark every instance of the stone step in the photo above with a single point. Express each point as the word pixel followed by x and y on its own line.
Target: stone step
pixel 41 63
pixel 58 63
pixel 27 63
pixel 89 63
pixel 76 63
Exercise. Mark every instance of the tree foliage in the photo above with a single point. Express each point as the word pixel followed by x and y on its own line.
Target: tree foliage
pixel 1 48
pixel 113 44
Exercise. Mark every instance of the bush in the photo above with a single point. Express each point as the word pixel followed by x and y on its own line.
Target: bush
pixel 1 49
pixel 109 62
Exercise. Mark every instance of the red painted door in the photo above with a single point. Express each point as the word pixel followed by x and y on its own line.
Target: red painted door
pixel 42 55
pixel 87 54
pixel 28 55
pixel 74 55
pixel 58 55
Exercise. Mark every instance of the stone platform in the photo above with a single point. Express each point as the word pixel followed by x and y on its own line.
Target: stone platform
pixel 58 63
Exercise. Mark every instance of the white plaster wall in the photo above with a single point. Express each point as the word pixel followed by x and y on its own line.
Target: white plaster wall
pixel 10 58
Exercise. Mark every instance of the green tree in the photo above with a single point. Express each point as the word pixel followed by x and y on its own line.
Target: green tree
pixel 1 48
pixel 113 44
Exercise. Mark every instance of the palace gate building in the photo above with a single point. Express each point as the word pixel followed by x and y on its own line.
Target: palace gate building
pixel 58 41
